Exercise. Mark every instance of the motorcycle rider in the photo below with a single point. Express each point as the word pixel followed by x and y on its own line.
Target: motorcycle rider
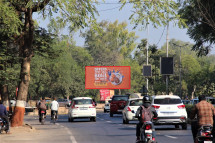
pixel 41 107
pixel 146 104
pixel 204 111
pixel 54 107
pixel 4 115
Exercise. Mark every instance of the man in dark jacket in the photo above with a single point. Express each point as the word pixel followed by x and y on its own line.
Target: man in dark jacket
pixel 3 115
pixel 146 104
pixel 204 111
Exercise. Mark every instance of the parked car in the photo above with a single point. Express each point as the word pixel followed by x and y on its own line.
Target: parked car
pixel 171 111
pixel 64 102
pixel 107 105
pixel 82 107
pixel 128 113
pixel 117 104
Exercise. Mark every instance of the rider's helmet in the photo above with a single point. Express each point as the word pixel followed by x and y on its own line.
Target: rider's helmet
pixel 146 99
pixel 202 97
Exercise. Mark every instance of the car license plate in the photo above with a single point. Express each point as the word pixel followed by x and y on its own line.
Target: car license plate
pixel 119 110
pixel 207 141
pixel 83 108
pixel 148 131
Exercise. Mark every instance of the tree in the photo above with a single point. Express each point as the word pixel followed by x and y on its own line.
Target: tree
pixel 111 44
pixel 200 15
pixel 77 12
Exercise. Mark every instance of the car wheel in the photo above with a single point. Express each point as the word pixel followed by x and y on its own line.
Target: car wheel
pixel 105 111
pixel 184 126
pixel 176 126
pixel 111 114
pixel 69 120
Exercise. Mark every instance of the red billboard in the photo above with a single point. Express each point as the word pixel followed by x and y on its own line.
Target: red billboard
pixel 104 93
pixel 107 77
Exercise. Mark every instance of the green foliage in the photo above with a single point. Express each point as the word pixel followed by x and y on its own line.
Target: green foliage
pixel 157 12
pixel 199 15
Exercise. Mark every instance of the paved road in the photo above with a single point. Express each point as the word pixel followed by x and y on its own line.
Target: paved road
pixel 105 130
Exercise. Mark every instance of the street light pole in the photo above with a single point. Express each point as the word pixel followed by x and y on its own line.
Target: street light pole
pixel 180 66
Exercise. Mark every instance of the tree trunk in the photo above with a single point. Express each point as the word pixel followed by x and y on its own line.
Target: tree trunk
pixel 27 53
pixel 5 95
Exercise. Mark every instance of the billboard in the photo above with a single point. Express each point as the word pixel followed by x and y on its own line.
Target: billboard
pixel 106 94
pixel 107 77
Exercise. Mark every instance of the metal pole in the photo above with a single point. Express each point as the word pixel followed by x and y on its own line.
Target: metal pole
pixel 167 46
pixel 147 56
pixel 180 72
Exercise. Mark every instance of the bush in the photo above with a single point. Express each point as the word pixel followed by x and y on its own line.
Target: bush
pixel 188 109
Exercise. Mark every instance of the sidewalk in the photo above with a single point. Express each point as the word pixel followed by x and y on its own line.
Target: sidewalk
pixel 34 132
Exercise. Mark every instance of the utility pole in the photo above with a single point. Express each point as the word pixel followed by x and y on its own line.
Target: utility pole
pixel 180 66
pixel 167 46
pixel 147 56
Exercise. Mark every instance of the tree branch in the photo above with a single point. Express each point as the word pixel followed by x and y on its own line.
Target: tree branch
pixel 39 6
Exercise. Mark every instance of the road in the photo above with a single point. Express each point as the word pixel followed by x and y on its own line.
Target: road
pixel 105 130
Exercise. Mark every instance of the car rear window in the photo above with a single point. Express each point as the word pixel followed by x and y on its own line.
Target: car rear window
pixel 120 98
pixel 167 101
pixel 136 103
pixel 83 101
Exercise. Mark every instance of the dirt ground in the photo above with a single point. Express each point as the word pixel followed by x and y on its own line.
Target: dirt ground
pixel 26 129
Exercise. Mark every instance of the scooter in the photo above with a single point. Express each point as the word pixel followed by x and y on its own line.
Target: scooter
pixel 146 133
pixel 204 134
pixel 3 126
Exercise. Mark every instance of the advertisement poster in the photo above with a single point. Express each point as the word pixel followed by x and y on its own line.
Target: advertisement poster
pixel 104 93
pixel 107 77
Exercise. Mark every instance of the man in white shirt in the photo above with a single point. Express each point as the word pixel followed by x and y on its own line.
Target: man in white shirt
pixel 54 107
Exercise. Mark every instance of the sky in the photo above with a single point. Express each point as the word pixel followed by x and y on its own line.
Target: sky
pixel 109 11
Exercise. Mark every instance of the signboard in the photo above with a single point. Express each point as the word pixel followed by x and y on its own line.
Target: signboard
pixel 147 70
pixel 166 65
pixel 107 77
pixel 104 93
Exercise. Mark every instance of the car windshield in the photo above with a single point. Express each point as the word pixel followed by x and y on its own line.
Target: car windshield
pixel 83 101
pixel 167 101
pixel 136 102
pixel 120 98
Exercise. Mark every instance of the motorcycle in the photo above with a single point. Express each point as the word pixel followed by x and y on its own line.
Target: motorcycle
pixel 3 125
pixel 204 134
pixel 42 117
pixel 146 133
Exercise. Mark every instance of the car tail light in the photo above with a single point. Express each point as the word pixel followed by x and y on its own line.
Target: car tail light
pixel 181 106
pixel 148 127
pixel 183 118
pixel 156 107
pixel 129 109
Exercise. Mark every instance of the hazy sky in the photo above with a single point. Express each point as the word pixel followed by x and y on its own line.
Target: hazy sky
pixel 110 12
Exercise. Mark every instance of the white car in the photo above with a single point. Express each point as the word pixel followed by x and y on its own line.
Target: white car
pixel 107 105
pixel 128 113
pixel 171 111
pixel 82 107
